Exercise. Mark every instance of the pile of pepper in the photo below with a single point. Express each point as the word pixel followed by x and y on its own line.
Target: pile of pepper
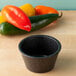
pixel 19 20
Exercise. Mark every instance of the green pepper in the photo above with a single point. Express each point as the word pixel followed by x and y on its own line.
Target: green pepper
pixel 37 22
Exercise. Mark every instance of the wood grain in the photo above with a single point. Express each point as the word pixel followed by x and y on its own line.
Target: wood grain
pixel 11 62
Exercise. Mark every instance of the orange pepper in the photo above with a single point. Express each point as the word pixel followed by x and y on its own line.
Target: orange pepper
pixel 16 17
pixel 40 10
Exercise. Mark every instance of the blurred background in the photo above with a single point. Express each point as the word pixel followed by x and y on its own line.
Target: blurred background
pixel 57 4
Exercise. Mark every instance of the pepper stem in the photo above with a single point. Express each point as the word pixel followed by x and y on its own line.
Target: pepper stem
pixel 60 15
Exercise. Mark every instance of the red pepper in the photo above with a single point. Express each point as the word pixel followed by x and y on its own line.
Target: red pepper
pixel 17 17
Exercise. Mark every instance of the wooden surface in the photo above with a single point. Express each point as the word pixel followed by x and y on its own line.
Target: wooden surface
pixel 11 62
